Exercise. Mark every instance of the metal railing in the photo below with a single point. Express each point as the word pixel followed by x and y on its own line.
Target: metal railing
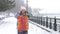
pixel 51 23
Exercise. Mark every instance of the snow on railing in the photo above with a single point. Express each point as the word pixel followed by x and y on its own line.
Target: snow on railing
pixel 48 22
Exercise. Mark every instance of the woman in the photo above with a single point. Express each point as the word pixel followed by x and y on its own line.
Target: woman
pixel 23 22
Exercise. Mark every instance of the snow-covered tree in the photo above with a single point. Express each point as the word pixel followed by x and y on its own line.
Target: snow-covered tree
pixel 6 4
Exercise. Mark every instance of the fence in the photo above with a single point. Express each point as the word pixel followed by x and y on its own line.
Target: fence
pixel 51 23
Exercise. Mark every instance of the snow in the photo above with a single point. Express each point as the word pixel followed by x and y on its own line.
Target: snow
pixel 42 31
pixel 33 29
pixel 10 27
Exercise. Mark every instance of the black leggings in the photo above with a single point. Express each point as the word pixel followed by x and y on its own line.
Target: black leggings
pixel 22 32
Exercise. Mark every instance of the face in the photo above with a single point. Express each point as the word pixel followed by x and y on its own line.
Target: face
pixel 23 10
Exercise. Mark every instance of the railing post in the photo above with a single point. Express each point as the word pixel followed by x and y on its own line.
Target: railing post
pixel 50 25
pixel 47 22
pixel 41 20
pixel 59 27
pixel 55 25
pixel 37 19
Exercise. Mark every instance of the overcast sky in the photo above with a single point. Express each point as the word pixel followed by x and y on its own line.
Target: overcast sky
pixel 48 6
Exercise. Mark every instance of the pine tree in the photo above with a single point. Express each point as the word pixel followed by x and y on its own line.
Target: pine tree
pixel 5 4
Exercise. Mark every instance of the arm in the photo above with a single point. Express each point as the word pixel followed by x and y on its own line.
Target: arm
pixel 17 14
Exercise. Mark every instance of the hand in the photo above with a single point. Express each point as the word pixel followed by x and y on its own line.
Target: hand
pixel 26 13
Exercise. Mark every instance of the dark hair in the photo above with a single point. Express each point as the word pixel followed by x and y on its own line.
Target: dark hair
pixel 22 13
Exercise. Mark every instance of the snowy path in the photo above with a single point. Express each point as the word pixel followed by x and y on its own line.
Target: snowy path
pixel 9 27
pixel 33 29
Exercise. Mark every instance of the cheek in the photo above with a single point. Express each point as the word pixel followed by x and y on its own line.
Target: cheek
pixel 23 11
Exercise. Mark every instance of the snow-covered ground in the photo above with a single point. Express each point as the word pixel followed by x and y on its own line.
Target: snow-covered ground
pixel 33 29
pixel 9 26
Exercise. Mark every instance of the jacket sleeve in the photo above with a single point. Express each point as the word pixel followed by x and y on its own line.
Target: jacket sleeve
pixel 16 15
pixel 28 14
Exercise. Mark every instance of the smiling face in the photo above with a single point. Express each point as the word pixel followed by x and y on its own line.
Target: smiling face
pixel 23 10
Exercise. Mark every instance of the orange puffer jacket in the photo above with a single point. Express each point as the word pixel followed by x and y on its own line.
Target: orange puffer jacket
pixel 23 22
